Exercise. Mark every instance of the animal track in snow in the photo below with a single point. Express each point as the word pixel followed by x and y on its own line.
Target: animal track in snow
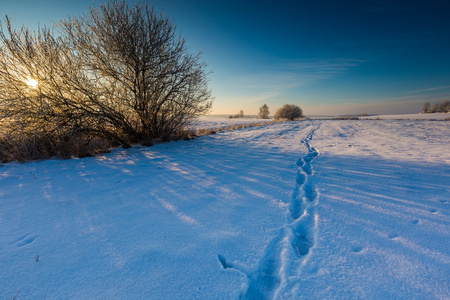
pixel 310 191
pixel 284 254
pixel 223 262
pixel 357 249
pixel 264 281
pixel 296 207
pixel 301 178
pixel 307 168
pixel 24 240
pixel 393 236
pixel 303 233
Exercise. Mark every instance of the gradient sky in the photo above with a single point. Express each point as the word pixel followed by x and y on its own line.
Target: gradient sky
pixel 329 57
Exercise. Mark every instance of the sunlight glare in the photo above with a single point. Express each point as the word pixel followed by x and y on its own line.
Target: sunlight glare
pixel 31 82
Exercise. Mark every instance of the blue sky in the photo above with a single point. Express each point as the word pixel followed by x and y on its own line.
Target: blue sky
pixel 328 57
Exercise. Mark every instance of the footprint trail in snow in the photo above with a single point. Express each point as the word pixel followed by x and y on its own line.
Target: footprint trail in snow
pixel 279 271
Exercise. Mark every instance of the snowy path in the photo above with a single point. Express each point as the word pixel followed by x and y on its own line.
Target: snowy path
pixel 317 209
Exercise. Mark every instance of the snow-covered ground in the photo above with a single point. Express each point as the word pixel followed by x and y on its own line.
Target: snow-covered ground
pixel 433 116
pixel 300 210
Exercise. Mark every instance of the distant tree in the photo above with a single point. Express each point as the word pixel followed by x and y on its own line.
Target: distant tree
pixel 263 112
pixel 444 106
pixel 434 108
pixel 241 114
pixel 289 112
pixel 426 107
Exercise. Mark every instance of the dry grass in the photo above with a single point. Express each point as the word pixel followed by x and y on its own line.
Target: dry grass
pixel 20 147
pixel 25 147
pixel 208 131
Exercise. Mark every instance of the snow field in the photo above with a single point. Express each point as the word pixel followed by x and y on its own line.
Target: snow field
pixel 311 209
pixel 431 116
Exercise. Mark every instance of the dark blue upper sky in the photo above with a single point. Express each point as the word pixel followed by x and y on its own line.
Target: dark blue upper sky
pixel 329 57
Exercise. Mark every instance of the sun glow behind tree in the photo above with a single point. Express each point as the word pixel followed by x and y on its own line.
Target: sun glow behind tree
pixel 32 83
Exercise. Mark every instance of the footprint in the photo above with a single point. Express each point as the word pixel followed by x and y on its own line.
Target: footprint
pixel 310 192
pixel 223 262
pixel 300 162
pixel 308 158
pixel 25 240
pixel 20 239
pixel 357 249
pixel 393 236
pixel 303 237
pixel 307 168
pixel 300 178
pixel 433 211
pixel 295 208
pixel 415 222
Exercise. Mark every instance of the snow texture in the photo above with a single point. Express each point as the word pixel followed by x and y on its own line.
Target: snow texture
pixel 430 116
pixel 296 210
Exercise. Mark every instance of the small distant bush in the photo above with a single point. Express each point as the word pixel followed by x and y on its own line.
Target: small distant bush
pixel 288 112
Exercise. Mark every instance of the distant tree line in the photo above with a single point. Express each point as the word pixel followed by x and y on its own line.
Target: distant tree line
pixel 237 116
pixel 289 112
pixel 436 107
pixel 119 74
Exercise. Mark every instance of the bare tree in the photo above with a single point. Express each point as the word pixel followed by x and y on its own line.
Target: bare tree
pixel 426 107
pixel 434 108
pixel 141 65
pixel 263 112
pixel 444 106
pixel 119 72
pixel 289 112
pixel 38 102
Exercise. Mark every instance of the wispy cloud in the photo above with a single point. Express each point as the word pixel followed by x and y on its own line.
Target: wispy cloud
pixel 438 88
pixel 325 68
pixel 293 74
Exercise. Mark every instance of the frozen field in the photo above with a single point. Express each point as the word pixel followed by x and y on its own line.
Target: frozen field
pixel 220 122
pixel 433 116
pixel 300 210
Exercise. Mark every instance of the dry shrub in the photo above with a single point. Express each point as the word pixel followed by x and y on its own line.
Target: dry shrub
pixel 42 145
pixel 209 131
pixel 119 73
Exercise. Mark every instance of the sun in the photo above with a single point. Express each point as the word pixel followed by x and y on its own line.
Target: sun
pixel 31 82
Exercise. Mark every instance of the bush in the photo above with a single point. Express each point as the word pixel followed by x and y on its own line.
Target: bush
pixel 118 73
pixel 289 112
pixel 40 145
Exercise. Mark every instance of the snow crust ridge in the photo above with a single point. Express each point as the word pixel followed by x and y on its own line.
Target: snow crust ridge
pixel 279 270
